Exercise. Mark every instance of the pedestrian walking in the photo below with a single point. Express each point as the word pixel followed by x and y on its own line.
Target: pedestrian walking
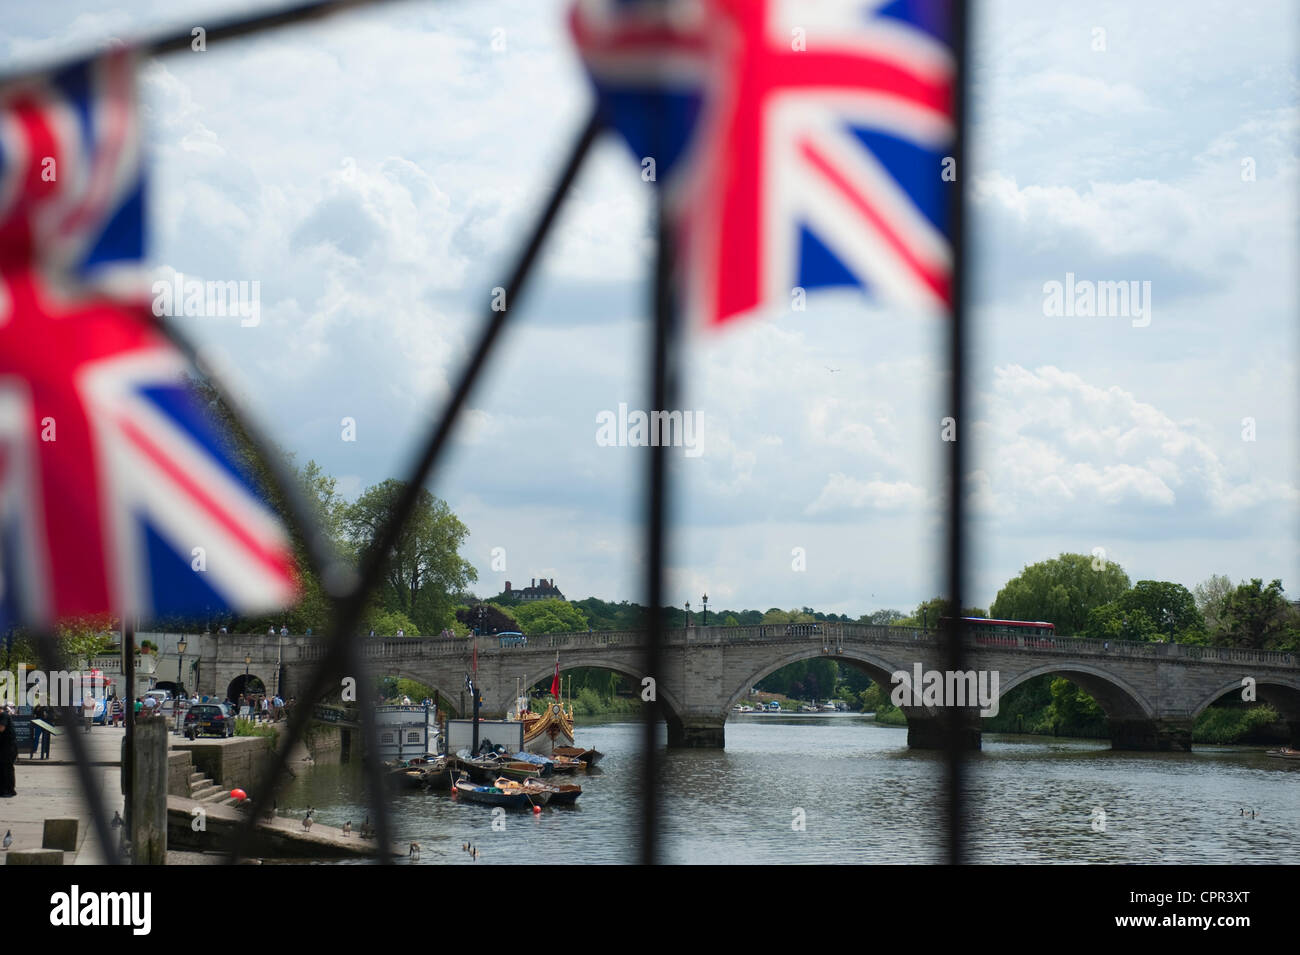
pixel 8 755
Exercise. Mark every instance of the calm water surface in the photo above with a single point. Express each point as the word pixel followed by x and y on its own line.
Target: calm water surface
pixel 865 797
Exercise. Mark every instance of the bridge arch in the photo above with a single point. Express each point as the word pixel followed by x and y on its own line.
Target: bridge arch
pixel 1278 693
pixel 1116 696
pixel 577 661
pixel 877 667
pixel 245 683
pixel 451 697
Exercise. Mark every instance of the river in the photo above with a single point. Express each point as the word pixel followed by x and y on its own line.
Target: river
pixel 863 797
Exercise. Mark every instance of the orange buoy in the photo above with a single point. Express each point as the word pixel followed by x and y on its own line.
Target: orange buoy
pixel 238 794
pixel 537 810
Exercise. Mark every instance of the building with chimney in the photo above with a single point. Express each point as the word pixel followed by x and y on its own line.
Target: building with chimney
pixel 538 590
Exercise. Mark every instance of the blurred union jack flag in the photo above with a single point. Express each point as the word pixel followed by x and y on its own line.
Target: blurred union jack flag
pixel 116 494
pixel 814 134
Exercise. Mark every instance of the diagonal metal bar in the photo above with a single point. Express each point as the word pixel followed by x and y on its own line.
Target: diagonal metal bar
pixel 337 576
pixel 350 608
pixel 48 647
pixel 180 41
pixel 956 563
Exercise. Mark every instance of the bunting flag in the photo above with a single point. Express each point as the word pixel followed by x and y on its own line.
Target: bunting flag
pixel 803 145
pixel 116 494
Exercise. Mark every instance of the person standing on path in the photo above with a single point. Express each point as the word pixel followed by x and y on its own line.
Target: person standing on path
pixel 38 713
pixel 8 755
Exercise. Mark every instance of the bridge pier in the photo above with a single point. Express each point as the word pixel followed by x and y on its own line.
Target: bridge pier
pixel 1165 735
pixel 927 731
pixel 697 733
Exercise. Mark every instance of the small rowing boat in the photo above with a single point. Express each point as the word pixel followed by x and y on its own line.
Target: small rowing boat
pixel 589 756
pixel 1286 752
pixel 510 797
pixel 562 794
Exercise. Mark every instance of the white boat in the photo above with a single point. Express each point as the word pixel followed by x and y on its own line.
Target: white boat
pixel 407 731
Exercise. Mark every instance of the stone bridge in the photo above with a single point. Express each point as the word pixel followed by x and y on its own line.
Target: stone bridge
pixel 1151 692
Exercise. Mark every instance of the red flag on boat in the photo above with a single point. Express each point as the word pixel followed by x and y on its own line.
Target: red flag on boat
pixel 555 681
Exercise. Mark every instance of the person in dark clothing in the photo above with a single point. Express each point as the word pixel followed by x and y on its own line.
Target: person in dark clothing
pixel 40 737
pixel 8 756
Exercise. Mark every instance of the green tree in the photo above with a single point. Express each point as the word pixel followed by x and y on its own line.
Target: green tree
pixel 881 618
pixel 424 571
pixel 1259 618
pixel 1073 712
pixel 1211 595
pixel 1112 621
pixel 549 616
pixel 1062 590
pixel 83 637
pixel 386 623
pixel 494 619
pixel 1169 606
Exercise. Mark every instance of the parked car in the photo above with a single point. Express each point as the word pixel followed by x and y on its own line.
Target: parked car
pixel 209 719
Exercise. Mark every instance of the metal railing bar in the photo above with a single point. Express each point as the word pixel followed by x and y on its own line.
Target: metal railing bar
pixel 663 396
pixel 956 563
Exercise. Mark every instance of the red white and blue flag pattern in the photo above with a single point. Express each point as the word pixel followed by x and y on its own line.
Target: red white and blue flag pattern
pixel 116 494
pixel 806 140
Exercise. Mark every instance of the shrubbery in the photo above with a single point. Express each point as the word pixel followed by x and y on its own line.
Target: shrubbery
pixel 1232 724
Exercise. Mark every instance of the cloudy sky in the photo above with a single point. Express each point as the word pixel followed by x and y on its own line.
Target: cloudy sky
pixel 374 174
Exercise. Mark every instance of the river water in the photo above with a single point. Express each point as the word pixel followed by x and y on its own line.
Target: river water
pixel 863 797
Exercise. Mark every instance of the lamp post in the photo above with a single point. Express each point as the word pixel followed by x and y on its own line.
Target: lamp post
pixel 706 610
pixel 248 661
pixel 181 646
pixel 687 625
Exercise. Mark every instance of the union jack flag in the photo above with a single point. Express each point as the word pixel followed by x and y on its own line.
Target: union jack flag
pixel 116 494
pixel 817 132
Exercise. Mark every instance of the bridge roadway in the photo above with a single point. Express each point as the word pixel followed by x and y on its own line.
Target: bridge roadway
pixel 1151 692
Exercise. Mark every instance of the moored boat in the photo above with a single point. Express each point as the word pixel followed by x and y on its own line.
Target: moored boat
pixel 552 764
pixel 546 730
pixel 562 794
pixel 510 797
pixel 589 756
pixel 485 769
pixel 1286 752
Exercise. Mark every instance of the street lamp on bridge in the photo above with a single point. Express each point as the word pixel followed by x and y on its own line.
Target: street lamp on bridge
pixel 248 661
pixel 706 610
pixel 180 662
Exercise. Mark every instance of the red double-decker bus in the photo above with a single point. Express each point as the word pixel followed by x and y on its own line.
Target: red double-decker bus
pixel 1035 633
